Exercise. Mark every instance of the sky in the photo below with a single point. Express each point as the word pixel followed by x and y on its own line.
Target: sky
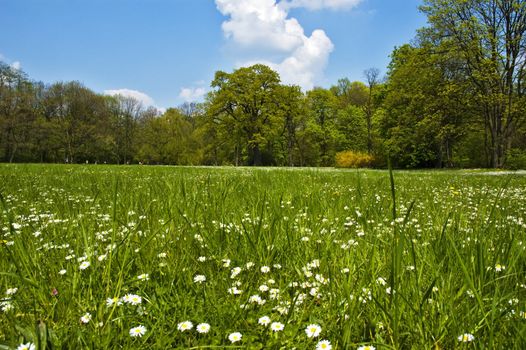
pixel 166 52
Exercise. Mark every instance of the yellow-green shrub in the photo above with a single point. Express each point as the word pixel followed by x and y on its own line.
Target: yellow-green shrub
pixel 354 159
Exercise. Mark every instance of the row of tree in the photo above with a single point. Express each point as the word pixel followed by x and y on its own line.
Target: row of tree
pixel 454 97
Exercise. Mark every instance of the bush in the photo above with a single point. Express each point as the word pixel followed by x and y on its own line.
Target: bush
pixel 516 159
pixel 353 159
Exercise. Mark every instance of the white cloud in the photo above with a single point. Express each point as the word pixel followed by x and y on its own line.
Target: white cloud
pixel 260 24
pixel 139 96
pixel 320 4
pixel 265 27
pixel 16 65
pixel 192 94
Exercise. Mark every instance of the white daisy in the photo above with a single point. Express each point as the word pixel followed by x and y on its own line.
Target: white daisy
pixel 324 345
pixel 235 337
pixel 138 331
pixel 264 321
pixel 185 326
pixel 277 326
pixel 203 328
pixel 313 330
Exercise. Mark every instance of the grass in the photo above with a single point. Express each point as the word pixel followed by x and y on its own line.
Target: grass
pixel 412 262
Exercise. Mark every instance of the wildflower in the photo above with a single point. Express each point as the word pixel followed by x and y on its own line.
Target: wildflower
pixel 62 272
pixel 235 337
pixel 161 255
pixel 6 306
pixel 265 269
pixel 235 271
pixel 203 328
pixel 466 337
pixel 264 321
pixel 499 267
pixel 132 299
pixel 84 265
pixel 102 257
pixel 234 291
pixel 367 347
pixel 313 330
pixel 277 326
pixel 256 299
pixel 112 301
pixel 11 291
pixel 86 318
pixel 27 346
pixel 144 277
pixel 138 331
pixel 185 326
pixel 201 259
pixel 324 345
pixel 199 278
pixel 263 288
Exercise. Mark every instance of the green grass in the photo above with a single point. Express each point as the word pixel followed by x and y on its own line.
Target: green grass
pixel 335 245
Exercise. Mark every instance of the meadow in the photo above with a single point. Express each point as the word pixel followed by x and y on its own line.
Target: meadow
pixel 136 257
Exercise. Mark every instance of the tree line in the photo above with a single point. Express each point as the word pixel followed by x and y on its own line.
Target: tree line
pixel 454 97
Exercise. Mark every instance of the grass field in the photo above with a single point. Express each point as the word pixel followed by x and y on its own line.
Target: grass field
pixel 136 257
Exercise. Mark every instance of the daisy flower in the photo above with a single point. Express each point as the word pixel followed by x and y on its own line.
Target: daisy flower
pixel 112 301
pixel 138 331
pixel 265 269
pixel 466 337
pixel 27 346
pixel 84 265
pixel 203 328
pixel 185 326
pixel 86 318
pixel 313 330
pixel 277 326
pixel 235 337
pixel 264 321
pixel 199 278
pixel 367 347
pixel 132 299
pixel 11 291
pixel 324 345
pixel 143 277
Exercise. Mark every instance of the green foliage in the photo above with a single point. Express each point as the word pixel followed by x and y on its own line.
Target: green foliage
pixel 516 159
pixel 353 159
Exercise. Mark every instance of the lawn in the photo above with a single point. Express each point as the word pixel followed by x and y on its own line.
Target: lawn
pixel 139 257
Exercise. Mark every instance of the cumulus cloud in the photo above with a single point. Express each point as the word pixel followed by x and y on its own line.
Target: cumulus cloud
pixel 266 25
pixel 139 96
pixel 320 4
pixel 192 94
pixel 260 24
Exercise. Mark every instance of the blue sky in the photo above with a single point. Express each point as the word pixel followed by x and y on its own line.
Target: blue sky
pixel 166 51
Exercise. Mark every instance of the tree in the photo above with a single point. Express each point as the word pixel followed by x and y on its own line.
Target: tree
pixel 322 106
pixel 490 38
pixel 372 76
pixel 427 107
pixel 244 101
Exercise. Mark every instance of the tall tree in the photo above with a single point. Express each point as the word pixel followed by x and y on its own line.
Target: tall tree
pixel 244 100
pixel 372 76
pixel 490 37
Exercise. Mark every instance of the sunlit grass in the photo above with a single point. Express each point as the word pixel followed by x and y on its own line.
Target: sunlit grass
pixel 163 257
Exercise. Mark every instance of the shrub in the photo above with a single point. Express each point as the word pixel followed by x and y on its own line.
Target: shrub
pixel 516 159
pixel 354 159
